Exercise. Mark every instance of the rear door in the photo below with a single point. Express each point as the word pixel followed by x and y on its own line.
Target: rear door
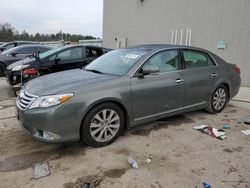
pixel 157 94
pixel 200 74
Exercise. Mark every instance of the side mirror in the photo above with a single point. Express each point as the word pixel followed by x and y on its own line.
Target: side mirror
pixel 150 69
pixel 13 54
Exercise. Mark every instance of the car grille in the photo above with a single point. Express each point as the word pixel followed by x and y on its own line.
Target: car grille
pixel 25 99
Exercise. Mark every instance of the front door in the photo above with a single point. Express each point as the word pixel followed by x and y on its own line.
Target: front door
pixel 160 93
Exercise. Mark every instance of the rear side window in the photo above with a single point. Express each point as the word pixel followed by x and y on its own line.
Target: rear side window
pixel 93 52
pixel 196 59
pixel 28 50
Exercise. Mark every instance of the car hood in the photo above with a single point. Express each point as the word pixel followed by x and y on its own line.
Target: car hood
pixel 57 82
pixel 21 62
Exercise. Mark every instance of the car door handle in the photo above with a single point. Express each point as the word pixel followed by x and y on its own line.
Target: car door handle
pixel 214 74
pixel 178 80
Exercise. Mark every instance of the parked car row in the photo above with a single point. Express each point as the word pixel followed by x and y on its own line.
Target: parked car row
pixel 9 45
pixel 119 90
pixel 54 60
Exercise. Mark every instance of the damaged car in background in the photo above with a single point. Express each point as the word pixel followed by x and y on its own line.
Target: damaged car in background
pixel 18 53
pixel 122 89
pixel 55 60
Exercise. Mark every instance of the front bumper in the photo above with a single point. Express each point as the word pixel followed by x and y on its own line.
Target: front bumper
pixel 62 120
pixel 13 77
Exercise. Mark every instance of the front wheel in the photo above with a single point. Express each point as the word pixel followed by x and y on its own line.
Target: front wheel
pixel 2 69
pixel 218 100
pixel 102 125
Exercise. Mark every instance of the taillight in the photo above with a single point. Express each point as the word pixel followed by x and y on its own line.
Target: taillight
pixel 30 71
pixel 237 69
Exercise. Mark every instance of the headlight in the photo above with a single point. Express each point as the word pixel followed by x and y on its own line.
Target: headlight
pixel 19 67
pixel 48 101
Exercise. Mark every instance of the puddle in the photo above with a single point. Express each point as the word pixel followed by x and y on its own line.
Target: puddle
pixel 163 124
pixel 23 161
pixel 26 160
pixel 115 173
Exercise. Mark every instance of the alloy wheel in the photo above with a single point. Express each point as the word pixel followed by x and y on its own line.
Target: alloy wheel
pixel 105 125
pixel 219 99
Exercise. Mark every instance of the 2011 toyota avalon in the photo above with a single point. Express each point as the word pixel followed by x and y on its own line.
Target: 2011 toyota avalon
pixel 125 88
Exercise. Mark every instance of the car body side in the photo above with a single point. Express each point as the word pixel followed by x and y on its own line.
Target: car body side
pixel 119 91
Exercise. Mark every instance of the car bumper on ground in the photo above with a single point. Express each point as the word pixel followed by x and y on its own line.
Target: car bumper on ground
pixel 53 124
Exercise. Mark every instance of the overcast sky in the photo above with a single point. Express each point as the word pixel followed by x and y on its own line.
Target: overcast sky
pixel 49 16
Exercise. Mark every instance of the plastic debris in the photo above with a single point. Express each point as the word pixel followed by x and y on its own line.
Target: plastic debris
pixel 246 132
pixel 133 162
pixel 216 133
pixel 148 160
pixel 247 120
pixel 41 170
pixel 206 185
pixel 226 126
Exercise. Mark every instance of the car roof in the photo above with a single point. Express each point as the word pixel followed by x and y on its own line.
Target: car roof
pixel 32 45
pixel 153 47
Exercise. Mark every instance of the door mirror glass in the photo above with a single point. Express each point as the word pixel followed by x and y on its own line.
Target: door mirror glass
pixel 150 69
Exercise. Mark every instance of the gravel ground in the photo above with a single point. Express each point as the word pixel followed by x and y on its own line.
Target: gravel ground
pixel 181 156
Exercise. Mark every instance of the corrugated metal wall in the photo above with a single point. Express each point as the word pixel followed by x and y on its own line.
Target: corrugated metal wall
pixel 152 21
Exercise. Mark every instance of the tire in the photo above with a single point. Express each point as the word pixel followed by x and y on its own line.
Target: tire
pixel 218 100
pixel 102 125
pixel 2 69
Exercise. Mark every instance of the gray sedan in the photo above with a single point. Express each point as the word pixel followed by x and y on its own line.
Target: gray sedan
pixel 125 88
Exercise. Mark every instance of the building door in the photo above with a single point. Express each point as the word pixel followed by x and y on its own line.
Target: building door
pixel 121 42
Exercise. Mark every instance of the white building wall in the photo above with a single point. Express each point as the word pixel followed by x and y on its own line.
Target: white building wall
pixel 152 21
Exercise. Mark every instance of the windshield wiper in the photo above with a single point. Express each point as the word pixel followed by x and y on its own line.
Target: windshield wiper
pixel 93 70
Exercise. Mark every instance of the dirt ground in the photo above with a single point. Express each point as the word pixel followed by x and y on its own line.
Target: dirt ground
pixel 181 156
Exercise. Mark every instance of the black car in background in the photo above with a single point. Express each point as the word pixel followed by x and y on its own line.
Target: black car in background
pixel 55 60
pixel 13 44
pixel 18 53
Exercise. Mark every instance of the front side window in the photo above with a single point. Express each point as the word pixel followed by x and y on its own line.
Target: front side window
pixel 196 59
pixel 73 53
pixel 165 61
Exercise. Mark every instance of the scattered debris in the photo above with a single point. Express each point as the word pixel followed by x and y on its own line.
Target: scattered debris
pixel 41 170
pixel 246 132
pixel 216 133
pixel 247 120
pixel 85 182
pixel 206 185
pixel 148 160
pixel 226 126
pixel 133 162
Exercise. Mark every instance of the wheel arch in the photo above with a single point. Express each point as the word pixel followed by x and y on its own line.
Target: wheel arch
pixel 107 100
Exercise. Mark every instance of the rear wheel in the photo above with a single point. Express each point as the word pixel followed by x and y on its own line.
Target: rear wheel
pixel 218 100
pixel 2 69
pixel 102 125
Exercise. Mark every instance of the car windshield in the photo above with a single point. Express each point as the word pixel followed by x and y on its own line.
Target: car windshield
pixel 9 51
pixel 48 53
pixel 117 62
